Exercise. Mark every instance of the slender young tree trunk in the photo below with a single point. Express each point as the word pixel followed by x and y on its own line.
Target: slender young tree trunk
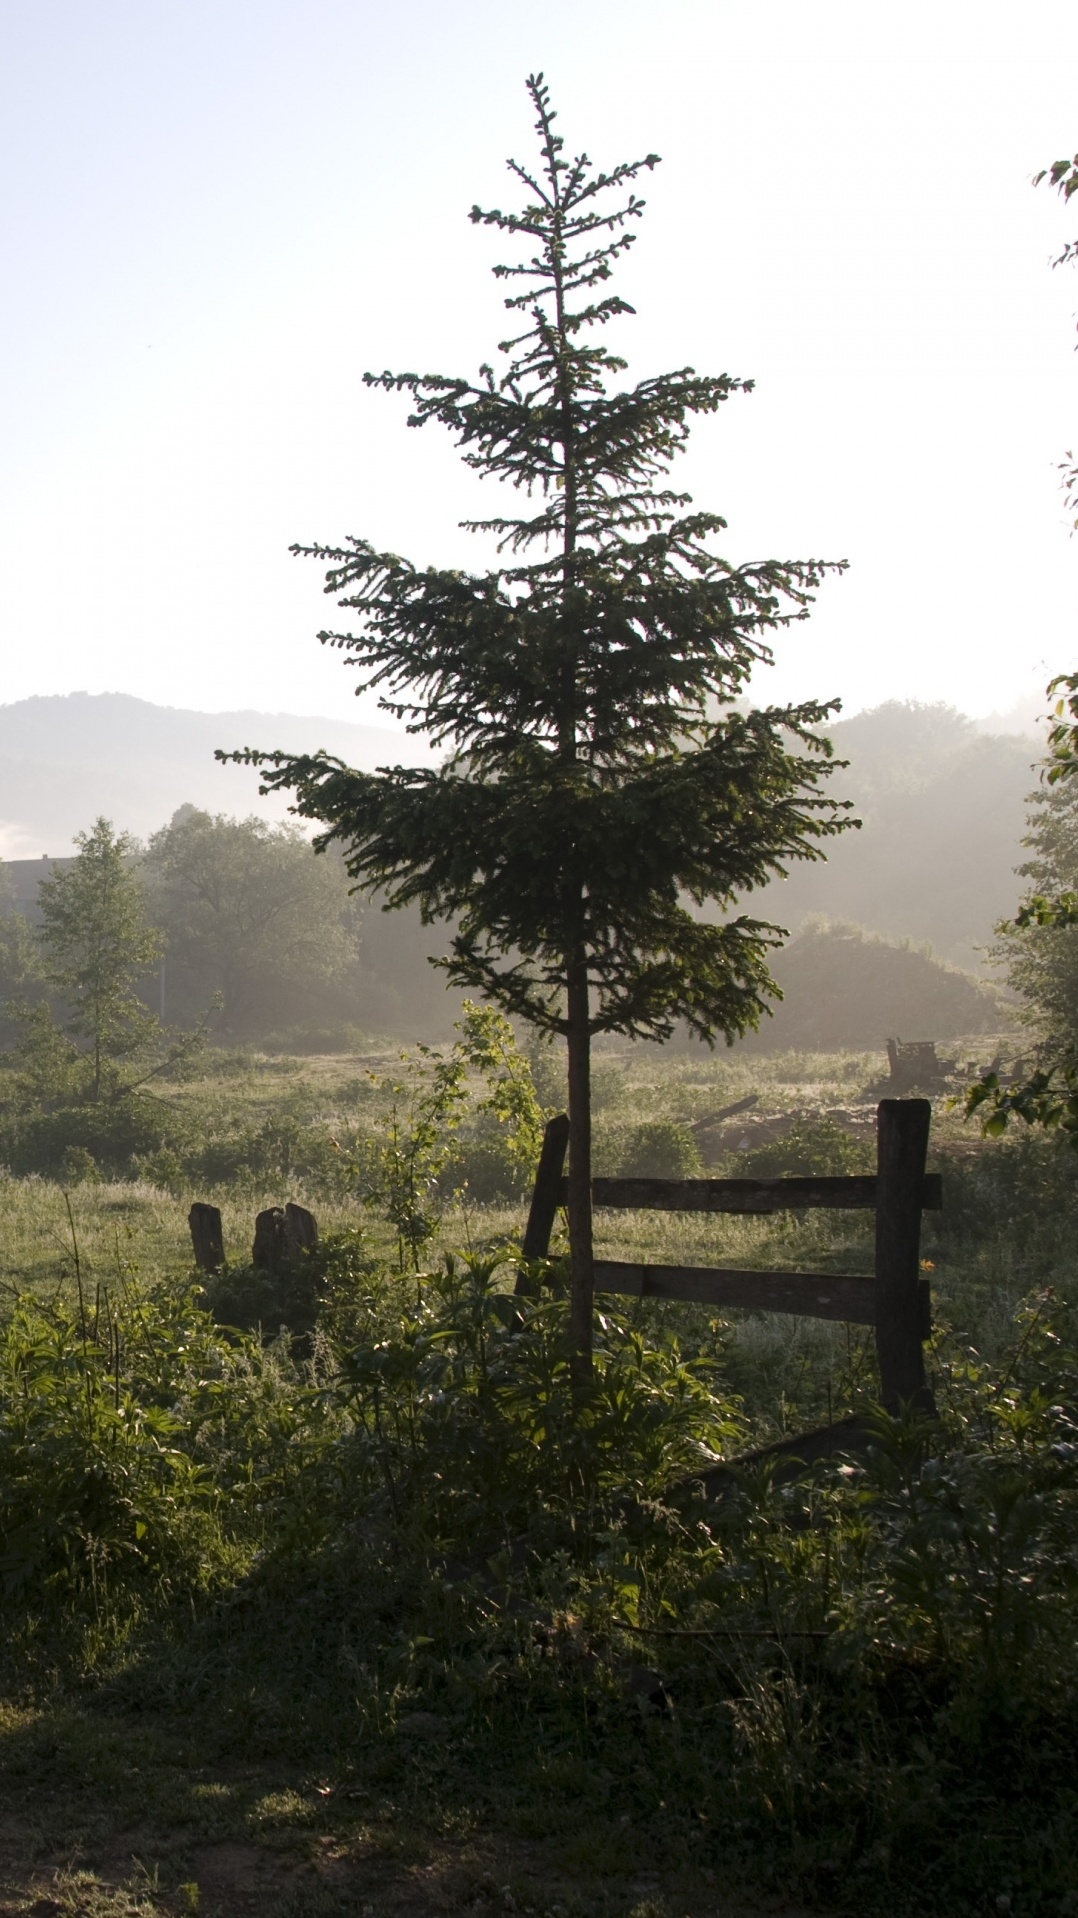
pixel 580 1227
pixel 578 1019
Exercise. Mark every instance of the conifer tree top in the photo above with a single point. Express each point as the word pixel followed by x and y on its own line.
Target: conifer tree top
pixel 602 776
pixel 622 588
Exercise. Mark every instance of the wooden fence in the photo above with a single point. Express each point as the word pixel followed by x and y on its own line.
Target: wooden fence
pixel 894 1297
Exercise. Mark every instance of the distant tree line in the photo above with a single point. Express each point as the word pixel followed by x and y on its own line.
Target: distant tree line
pixel 252 938
pixel 231 925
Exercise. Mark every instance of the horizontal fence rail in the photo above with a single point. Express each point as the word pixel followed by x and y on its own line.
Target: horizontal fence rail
pixel 857 1193
pixel 894 1298
pixel 809 1296
pixel 849 1297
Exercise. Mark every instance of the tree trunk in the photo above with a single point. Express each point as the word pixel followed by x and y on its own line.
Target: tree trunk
pixel 580 1234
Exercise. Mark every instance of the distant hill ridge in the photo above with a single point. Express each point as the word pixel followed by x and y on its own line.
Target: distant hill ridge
pixel 943 805
pixel 66 758
pixel 944 811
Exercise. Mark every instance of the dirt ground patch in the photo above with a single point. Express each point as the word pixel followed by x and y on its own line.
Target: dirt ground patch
pixel 147 1874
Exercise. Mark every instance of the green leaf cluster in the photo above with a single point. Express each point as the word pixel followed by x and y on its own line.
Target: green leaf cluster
pixel 415 1162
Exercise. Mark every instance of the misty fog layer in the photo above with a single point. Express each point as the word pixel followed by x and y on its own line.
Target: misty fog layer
pixel 66 759
pixel 943 810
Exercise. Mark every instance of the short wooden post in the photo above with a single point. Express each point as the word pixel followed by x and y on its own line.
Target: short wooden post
pixel 901 1150
pixel 300 1229
pixel 207 1236
pixel 269 1246
pixel 544 1203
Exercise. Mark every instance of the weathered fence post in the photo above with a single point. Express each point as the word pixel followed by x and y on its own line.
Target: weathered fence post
pixel 901 1149
pixel 300 1229
pixel 207 1236
pixel 269 1246
pixel 545 1197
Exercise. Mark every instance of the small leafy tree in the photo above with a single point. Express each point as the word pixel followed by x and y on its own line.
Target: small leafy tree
pixel 488 1045
pixel 1039 947
pixel 97 942
pixel 249 913
pixel 405 1168
pixel 603 780
pixel 401 1169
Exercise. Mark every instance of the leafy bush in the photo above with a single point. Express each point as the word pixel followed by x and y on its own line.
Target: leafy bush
pixel 482 1165
pixel 143 1456
pixel 867 1677
pixel 78 1167
pixel 440 1132
pixel 287 1300
pixel 468 1413
pixel 812 1147
pixel 654 1149
pixel 288 1147
pixel 112 1135
pixel 660 1149
pixel 101 1499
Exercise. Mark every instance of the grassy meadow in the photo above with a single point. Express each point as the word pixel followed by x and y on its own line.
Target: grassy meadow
pixel 328 1599
pixel 1001 1234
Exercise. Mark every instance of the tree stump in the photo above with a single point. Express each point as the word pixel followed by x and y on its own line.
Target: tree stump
pixel 207 1237
pixel 270 1246
pixel 300 1229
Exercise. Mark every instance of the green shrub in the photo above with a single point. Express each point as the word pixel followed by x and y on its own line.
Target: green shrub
pixel 112 1134
pixel 101 1502
pixel 78 1167
pixel 287 1148
pixel 660 1149
pixel 812 1147
pixel 143 1456
pixel 654 1149
pixel 870 1672
pixel 483 1166
pixel 268 1303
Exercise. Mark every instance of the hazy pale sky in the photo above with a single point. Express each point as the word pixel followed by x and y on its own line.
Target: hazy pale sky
pixel 217 213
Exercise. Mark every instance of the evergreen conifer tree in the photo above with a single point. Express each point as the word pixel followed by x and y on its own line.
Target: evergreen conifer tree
pixel 97 943
pixel 602 776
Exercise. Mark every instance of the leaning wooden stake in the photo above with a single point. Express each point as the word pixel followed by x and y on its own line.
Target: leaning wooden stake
pixel 546 1197
pixel 901 1149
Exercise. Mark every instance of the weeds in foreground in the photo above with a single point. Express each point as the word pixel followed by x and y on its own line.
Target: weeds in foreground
pixel 387 1552
pixel 420 1545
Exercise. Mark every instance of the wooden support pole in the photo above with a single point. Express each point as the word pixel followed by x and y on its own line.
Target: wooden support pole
pixel 546 1198
pixel 207 1236
pixel 901 1148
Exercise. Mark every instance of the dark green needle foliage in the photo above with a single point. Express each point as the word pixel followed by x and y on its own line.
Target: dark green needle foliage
pixel 601 780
